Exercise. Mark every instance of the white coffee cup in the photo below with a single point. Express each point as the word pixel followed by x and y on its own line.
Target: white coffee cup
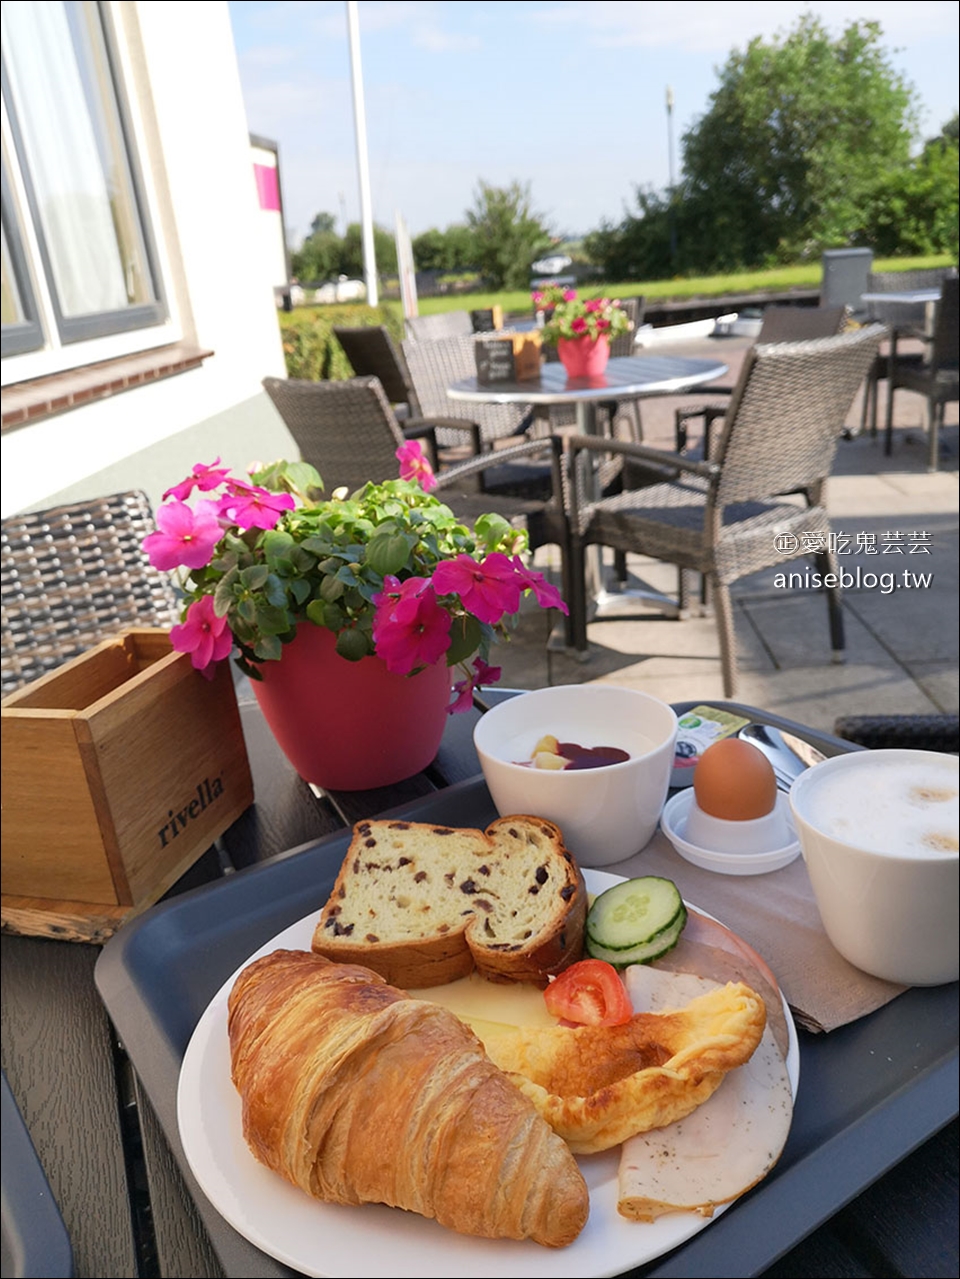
pixel 605 814
pixel 878 832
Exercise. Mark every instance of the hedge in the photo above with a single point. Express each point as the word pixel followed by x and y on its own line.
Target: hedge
pixel 309 347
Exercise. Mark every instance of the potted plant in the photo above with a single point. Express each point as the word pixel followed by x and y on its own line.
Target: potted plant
pixel 580 328
pixel 348 613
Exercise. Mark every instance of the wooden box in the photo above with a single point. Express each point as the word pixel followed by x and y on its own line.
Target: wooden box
pixel 119 770
pixel 507 357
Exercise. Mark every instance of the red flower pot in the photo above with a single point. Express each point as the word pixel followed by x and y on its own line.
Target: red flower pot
pixel 584 357
pixel 351 725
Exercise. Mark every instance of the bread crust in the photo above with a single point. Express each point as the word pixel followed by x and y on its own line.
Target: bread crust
pixel 519 867
pixel 357 1093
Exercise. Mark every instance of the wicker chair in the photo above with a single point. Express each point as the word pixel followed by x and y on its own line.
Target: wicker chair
pixel 372 352
pixel 897 317
pixel 722 517
pixel 72 576
pixel 902 732
pixel 438 364
pixel 431 328
pixel 938 380
pixel 780 324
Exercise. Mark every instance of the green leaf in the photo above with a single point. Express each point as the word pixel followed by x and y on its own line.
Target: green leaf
pixel 268 648
pixel 331 588
pixel 300 590
pixel 247 609
pixel 272 621
pixel 315 612
pixel 223 596
pixel 275 592
pixel 277 544
pixel 254 576
pixel 465 636
pixel 388 552
pixel 352 645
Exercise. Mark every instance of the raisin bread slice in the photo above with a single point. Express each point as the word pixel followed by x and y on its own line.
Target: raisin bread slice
pixel 423 905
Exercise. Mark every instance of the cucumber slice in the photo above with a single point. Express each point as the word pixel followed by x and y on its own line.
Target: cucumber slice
pixel 633 912
pixel 644 952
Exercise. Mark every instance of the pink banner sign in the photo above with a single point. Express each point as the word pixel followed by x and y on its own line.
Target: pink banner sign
pixel 268 188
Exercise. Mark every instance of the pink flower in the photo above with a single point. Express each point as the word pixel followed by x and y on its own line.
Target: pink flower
pixel 597 304
pixel 205 635
pixel 483 674
pixel 202 477
pixel 488 590
pixel 251 507
pixel 537 298
pixel 414 466
pixel 546 595
pixel 603 325
pixel 569 295
pixel 579 325
pixel 185 537
pixel 410 629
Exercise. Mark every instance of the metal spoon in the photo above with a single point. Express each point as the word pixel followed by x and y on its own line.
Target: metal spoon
pixel 782 753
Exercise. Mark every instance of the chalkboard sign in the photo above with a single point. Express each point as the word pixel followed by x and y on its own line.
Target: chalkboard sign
pixel 494 360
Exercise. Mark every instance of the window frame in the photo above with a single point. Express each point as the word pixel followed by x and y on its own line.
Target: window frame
pixel 49 332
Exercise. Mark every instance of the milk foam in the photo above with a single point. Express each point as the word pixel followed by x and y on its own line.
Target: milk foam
pixel 888 806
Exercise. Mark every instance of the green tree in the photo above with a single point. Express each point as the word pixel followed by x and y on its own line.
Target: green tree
pixel 318 258
pixel 323 222
pixel 798 138
pixel 508 235
pixel 917 208
pixel 384 249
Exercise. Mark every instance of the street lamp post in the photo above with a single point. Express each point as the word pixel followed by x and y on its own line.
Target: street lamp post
pixel 672 212
pixel 363 167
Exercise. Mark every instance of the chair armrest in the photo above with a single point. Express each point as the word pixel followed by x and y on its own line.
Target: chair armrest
pixel 477 465
pixel 709 413
pixel 449 424
pixel 641 452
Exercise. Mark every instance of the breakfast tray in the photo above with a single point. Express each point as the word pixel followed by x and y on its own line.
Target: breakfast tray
pixel 870 1092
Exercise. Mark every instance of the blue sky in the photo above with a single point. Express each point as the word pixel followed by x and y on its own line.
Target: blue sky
pixel 570 97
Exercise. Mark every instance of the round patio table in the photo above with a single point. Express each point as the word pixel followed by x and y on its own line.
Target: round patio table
pixel 630 377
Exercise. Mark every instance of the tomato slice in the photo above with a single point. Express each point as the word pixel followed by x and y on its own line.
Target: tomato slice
pixel 589 993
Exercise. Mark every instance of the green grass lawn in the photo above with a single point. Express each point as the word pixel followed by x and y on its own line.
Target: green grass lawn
pixel 806 276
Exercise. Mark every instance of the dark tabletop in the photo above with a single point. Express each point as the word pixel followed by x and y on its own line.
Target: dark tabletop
pixel 105 1134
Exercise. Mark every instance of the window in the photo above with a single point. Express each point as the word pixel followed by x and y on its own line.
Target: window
pixel 78 261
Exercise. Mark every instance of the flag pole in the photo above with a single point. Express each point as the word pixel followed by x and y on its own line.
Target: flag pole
pixel 363 168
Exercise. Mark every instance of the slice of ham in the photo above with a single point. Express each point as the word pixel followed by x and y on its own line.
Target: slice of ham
pixel 726 1145
pixel 709 949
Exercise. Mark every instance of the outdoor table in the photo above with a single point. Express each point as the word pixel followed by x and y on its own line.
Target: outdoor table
pixel 631 377
pixel 108 1137
pixel 927 298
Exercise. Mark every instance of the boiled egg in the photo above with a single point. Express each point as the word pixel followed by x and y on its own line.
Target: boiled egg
pixel 734 781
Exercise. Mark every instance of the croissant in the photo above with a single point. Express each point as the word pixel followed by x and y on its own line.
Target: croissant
pixel 357 1093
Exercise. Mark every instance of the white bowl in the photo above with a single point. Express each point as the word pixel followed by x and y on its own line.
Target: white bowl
pixel 887 899
pixel 728 861
pixel 606 814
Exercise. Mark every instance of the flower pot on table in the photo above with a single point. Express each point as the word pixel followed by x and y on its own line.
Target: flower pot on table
pixel 584 357
pixel 351 725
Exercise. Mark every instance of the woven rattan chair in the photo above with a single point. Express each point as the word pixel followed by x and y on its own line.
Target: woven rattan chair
pixel 938 379
pixel 906 319
pixel 780 324
pixel 723 517
pixel 436 365
pixel 372 352
pixel 901 732
pixel 430 328
pixel 348 431
pixel 72 576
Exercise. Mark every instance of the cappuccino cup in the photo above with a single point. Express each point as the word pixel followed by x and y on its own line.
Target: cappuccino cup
pixel 879 834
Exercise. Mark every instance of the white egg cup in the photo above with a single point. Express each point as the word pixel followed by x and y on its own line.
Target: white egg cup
pixel 730 848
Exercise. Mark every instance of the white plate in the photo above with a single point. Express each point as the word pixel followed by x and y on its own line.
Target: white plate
pixel 673 823
pixel 320 1239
